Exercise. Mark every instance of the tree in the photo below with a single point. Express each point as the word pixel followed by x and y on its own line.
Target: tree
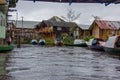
pixel 96 17
pixel 71 16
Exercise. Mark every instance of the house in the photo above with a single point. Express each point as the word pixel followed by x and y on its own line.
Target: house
pixel 53 28
pixel 84 30
pixel 104 28
pixel 26 29
pixel 3 2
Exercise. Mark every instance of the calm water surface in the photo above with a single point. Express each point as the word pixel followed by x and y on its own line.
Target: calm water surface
pixel 61 63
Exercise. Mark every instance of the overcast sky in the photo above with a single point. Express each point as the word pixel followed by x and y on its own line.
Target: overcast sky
pixel 39 11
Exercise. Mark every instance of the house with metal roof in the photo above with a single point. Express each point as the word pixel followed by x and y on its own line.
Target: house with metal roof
pixel 53 27
pixel 83 30
pixel 104 28
pixel 26 29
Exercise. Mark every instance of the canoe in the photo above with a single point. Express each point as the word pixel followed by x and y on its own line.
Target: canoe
pixel 6 48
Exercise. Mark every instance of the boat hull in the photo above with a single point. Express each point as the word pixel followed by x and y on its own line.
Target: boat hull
pixel 42 43
pixel 94 47
pixel 77 45
pixel 6 48
pixel 34 43
pixel 112 50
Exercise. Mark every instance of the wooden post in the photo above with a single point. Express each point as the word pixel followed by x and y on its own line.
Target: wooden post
pixel 18 39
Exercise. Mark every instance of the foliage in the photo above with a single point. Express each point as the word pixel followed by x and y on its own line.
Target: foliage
pixel 96 17
pixel 49 42
pixel 64 35
pixel 67 40
pixel 87 38
pixel 26 41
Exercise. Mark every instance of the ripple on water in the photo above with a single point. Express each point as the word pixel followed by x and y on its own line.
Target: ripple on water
pixel 61 63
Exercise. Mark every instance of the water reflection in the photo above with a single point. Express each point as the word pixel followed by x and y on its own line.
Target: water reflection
pixel 3 71
pixel 61 63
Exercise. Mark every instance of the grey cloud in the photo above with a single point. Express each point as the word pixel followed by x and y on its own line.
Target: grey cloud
pixel 44 10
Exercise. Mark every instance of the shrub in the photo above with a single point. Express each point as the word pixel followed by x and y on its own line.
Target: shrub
pixel 87 38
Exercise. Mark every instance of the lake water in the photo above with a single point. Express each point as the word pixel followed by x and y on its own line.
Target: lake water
pixel 61 63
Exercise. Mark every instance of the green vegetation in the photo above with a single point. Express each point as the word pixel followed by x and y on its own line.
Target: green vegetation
pixel 50 42
pixel 87 38
pixel 68 41
pixel 27 41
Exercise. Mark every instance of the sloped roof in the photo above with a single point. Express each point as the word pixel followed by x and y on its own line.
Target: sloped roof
pixel 84 27
pixel 58 22
pixel 2 2
pixel 105 24
pixel 26 24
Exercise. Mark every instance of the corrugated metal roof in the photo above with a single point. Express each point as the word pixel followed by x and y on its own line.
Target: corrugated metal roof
pixel 104 24
pixel 2 2
pixel 26 24
pixel 84 27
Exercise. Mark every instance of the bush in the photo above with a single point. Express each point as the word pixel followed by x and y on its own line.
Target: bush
pixel 68 41
pixel 50 42
pixel 87 38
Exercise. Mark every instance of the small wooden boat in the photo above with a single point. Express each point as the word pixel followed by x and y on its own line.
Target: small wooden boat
pixel 58 42
pixel 42 42
pixel 6 48
pixel 77 43
pixel 112 45
pixel 34 42
pixel 96 44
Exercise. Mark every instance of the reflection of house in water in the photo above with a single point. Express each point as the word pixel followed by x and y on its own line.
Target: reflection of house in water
pixel 104 28
pixel 26 30
pixel 53 28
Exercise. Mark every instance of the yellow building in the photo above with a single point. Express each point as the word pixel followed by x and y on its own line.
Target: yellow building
pixel 104 28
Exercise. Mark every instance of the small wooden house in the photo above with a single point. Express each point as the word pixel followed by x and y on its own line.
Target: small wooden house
pixel 53 28
pixel 104 28
pixel 26 29
pixel 84 30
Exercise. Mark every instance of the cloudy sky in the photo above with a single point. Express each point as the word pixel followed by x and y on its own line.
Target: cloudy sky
pixel 39 11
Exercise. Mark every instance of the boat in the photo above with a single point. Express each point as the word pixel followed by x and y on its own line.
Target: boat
pixel 42 42
pixel 6 48
pixel 96 44
pixel 58 42
pixel 34 42
pixel 112 45
pixel 77 43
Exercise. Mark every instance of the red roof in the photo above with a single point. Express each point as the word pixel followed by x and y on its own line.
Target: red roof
pixel 104 24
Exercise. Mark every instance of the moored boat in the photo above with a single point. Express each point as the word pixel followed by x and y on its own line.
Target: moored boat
pixel 112 45
pixel 6 48
pixel 42 42
pixel 58 42
pixel 96 44
pixel 34 42
pixel 78 43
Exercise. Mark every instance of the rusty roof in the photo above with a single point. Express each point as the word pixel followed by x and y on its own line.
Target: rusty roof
pixel 105 24
pixel 2 2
